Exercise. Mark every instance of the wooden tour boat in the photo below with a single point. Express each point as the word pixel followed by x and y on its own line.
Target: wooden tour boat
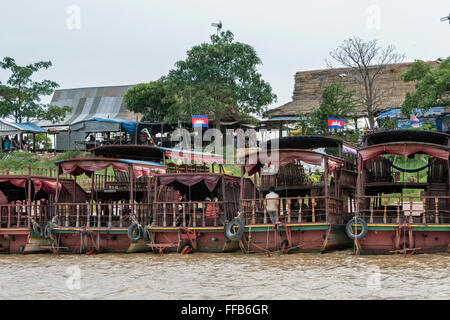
pixel 310 215
pixel 403 193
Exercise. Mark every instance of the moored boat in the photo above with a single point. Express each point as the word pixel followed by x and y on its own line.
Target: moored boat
pixel 311 208
pixel 403 193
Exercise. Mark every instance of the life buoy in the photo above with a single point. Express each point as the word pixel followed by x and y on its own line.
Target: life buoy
pixel 48 230
pixel 36 228
pixel 229 229
pixel 356 220
pixel 135 232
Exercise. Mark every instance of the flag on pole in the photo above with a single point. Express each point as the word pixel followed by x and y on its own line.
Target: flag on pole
pixel 334 123
pixel 200 121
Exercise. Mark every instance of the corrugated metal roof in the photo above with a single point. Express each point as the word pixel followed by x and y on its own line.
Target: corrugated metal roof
pixel 86 103
pixel 9 128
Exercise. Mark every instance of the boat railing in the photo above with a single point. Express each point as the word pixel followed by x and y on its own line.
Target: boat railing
pixel 405 209
pixel 192 213
pixel 75 215
pixel 31 171
pixel 309 209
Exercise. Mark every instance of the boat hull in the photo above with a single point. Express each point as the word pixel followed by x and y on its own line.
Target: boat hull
pixel 388 239
pixel 290 238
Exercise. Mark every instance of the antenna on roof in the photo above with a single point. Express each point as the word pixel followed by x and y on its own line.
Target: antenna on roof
pixel 217 25
pixel 446 18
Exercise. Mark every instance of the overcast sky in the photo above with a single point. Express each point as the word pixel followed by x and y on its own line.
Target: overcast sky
pixel 130 41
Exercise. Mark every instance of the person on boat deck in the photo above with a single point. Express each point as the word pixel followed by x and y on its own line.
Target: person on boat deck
pixel 272 203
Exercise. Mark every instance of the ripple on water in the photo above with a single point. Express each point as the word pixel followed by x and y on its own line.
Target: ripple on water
pixel 336 275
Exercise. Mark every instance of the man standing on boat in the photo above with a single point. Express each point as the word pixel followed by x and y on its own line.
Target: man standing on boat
pixel 272 203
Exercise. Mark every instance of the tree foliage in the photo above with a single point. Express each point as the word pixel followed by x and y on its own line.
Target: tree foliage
pixel 153 100
pixel 367 61
pixel 432 87
pixel 220 78
pixel 336 102
pixel 20 97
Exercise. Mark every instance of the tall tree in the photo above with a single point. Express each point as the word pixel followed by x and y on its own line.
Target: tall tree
pixel 221 78
pixel 153 100
pixel 20 97
pixel 432 87
pixel 337 102
pixel 367 61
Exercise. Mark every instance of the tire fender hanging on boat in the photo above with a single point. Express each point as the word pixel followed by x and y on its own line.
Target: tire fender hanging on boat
pixel 229 228
pixel 354 221
pixel 48 230
pixel 145 234
pixel 36 228
pixel 135 232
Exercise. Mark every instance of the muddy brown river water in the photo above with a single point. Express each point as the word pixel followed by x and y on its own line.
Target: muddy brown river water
pixel 336 275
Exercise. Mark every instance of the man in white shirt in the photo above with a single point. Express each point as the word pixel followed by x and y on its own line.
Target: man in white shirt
pixel 272 204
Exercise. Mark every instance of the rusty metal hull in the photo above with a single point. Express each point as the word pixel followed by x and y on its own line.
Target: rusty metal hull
pixel 388 239
pixel 310 237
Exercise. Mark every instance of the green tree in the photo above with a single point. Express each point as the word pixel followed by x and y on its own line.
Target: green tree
pixel 153 100
pixel 336 102
pixel 220 78
pixel 20 97
pixel 432 87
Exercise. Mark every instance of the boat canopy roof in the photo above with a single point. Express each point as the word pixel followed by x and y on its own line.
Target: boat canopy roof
pixel 421 136
pixel 405 149
pixel 304 142
pixel 254 161
pixel 88 166
pixel 155 153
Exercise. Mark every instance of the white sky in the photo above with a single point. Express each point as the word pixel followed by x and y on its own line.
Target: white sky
pixel 131 41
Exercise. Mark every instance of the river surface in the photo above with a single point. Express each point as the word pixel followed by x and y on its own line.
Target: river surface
pixel 336 275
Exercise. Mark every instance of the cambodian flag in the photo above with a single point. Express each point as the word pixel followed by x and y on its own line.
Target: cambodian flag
pixel 200 121
pixel 334 123
pixel 414 121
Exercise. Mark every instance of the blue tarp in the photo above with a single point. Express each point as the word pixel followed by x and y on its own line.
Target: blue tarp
pixel 396 113
pixel 127 125
pixel 29 127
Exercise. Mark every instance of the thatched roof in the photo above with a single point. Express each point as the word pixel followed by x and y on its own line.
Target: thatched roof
pixel 309 85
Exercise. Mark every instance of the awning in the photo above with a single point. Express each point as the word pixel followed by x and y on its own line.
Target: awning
pixel 285 157
pixel 190 180
pixel 10 128
pixel 48 187
pixel 77 167
pixel 404 149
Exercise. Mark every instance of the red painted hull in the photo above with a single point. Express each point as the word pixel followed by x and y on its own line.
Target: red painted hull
pixel 13 241
pixel 385 242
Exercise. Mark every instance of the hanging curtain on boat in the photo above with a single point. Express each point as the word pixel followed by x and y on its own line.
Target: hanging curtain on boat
pixel 403 150
pixel 190 180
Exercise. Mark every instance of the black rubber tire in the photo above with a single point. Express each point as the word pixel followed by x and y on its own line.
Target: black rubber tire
pixel 132 234
pixel 36 228
pixel 145 234
pixel 348 228
pixel 48 230
pixel 229 227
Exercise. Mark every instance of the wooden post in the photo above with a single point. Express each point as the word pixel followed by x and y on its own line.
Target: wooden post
pixel 371 209
pixel 253 212
pixel 436 210
pixel 265 211
pixel 29 197
pixel 77 222
pixel 424 212
pixel 289 211
pixel 300 205
pixel 184 215
pixel 398 210
pixel 313 204
pixel 174 208
pixel 194 222
pixel 385 210
pixel 241 191
pixel 410 210
pixel 164 215
pixel 131 174
pixel 277 211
